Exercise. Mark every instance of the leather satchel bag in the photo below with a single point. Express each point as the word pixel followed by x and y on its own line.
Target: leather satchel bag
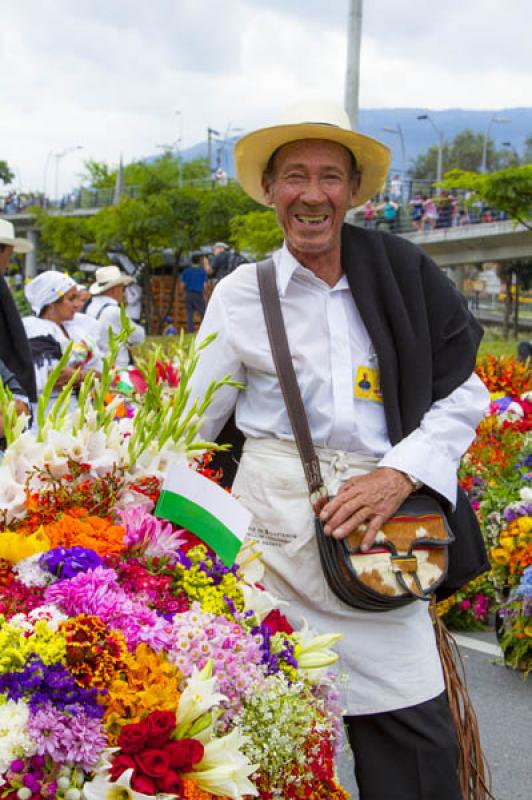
pixel 409 558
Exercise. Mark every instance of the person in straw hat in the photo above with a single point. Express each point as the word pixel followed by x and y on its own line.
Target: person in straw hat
pixel 360 307
pixel 107 295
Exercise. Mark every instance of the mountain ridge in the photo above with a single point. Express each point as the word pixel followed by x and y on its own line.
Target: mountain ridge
pixel 418 135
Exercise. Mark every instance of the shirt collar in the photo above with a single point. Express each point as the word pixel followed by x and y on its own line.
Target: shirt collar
pixel 288 266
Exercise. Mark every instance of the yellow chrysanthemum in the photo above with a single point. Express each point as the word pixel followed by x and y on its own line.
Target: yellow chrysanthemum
pixel 499 555
pixel 507 543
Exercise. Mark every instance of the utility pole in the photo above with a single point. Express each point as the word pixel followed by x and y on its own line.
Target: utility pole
pixel 352 78
pixel 211 133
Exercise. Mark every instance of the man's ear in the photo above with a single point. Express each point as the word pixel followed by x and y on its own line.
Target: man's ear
pixel 355 186
pixel 267 189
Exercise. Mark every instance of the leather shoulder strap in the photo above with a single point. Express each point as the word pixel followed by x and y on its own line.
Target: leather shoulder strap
pixel 282 359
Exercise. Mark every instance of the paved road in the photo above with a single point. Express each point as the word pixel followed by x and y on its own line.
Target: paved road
pixel 503 703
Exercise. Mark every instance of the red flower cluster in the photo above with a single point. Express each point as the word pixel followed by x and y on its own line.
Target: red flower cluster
pixel 167 373
pixel 154 589
pixel 277 622
pixel 157 761
pixel 16 597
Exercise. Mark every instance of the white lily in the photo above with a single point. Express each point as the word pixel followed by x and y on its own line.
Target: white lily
pixel 198 697
pixel 259 601
pixel 312 652
pixel 224 770
pixel 101 788
pixel 249 563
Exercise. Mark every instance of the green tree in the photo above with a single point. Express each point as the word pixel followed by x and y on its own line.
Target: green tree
pixel 516 276
pixel 147 226
pixel 62 239
pixel 464 152
pixel 6 176
pixel 527 157
pixel 145 178
pixel 218 207
pixel 257 232
pixel 508 190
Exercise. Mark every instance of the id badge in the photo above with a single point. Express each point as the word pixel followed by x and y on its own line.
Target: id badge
pixel 368 384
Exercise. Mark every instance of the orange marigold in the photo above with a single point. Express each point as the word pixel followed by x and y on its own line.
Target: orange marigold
pixel 97 533
pixel 191 791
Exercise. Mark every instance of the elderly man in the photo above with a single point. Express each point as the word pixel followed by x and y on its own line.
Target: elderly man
pixel 354 302
pixel 16 365
pixel 107 295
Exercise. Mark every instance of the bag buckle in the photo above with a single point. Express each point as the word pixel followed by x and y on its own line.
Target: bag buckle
pixel 404 564
pixel 318 494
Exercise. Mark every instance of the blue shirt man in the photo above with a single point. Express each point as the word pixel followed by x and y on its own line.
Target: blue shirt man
pixel 193 279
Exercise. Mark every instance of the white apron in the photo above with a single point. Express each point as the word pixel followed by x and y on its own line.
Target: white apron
pixel 389 660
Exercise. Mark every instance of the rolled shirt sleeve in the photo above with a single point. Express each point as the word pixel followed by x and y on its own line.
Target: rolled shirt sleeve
pixel 432 452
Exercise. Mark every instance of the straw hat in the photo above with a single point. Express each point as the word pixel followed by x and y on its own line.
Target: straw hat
pixel 7 236
pixel 107 277
pixel 311 120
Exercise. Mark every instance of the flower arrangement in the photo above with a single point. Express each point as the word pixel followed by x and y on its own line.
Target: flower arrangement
pixel 469 608
pixel 133 662
pixel 496 473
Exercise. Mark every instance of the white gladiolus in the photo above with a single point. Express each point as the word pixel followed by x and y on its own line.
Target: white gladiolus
pixel 12 495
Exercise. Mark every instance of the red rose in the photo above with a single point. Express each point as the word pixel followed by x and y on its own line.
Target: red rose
pixel 121 762
pixel 160 725
pixel 133 737
pixel 143 784
pixel 152 762
pixel 170 783
pixel 277 622
pixel 183 753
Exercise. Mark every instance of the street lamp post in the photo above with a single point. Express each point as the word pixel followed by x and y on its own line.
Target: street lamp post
pixel 227 139
pixel 211 134
pixel 58 157
pixel 398 131
pixel 439 134
pixel 494 119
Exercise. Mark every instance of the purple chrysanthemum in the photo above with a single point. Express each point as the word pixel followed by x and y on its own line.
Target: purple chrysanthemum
pixel 74 737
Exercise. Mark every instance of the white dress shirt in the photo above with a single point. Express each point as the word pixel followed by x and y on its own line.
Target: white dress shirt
pixel 107 311
pixel 329 343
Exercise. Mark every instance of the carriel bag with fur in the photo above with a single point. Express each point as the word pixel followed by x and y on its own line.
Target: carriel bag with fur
pixel 409 558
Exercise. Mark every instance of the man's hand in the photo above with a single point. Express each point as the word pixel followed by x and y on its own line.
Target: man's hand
pixel 365 500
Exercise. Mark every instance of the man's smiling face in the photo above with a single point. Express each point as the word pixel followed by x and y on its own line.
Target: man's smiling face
pixel 312 186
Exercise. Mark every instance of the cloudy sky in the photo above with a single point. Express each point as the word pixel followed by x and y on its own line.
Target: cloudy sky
pixel 123 76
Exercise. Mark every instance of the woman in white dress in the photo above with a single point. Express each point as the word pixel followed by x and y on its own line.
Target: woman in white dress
pixel 53 298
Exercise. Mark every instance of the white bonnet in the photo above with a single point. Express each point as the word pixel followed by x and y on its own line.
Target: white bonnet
pixel 46 288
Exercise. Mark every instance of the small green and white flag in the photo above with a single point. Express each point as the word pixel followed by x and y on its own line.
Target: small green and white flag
pixel 194 502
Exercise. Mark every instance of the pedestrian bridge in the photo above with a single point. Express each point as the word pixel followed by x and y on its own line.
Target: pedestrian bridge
pixel 450 248
pixel 475 244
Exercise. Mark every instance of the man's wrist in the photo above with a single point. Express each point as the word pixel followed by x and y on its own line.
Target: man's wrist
pixel 416 483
